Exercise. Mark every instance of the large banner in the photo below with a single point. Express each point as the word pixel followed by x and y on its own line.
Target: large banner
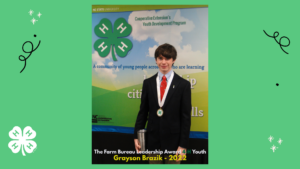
pixel 123 46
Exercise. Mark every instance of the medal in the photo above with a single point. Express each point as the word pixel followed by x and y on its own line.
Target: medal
pixel 160 112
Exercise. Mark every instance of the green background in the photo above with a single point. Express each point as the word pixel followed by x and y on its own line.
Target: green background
pixel 53 93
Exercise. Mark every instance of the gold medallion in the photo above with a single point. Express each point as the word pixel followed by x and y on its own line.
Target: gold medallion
pixel 160 112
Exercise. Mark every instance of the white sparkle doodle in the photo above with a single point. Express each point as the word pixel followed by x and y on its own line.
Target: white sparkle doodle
pixel 280 141
pixel 30 12
pixel 39 15
pixel 273 148
pixel 33 20
pixel 20 141
pixel 270 138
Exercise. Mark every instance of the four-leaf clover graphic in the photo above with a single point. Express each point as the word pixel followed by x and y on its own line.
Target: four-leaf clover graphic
pixel 20 141
pixel 111 38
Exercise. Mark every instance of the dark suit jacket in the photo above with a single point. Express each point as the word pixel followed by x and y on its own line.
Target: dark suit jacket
pixel 173 128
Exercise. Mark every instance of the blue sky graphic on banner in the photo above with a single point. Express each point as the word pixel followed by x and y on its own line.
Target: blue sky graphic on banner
pixel 190 41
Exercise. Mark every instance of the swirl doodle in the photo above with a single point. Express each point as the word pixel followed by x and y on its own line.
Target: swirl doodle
pixel 23 58
pixel 275 35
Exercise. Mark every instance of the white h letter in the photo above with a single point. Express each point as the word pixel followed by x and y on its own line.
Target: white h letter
pixel 104 27
pixel 103 47
pixel 120 27
pixel 123 46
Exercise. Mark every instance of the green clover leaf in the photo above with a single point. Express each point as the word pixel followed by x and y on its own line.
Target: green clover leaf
pixel 112 40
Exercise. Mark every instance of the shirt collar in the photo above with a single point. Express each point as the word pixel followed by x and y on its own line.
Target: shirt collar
pixel 168 75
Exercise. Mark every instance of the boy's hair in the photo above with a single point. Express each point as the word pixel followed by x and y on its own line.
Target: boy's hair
pixel 166 50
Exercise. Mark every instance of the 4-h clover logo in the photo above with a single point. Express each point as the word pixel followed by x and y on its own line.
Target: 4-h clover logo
pixel 20 141
pixel 112 39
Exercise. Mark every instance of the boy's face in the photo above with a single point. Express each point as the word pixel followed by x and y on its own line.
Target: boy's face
pixel 164 64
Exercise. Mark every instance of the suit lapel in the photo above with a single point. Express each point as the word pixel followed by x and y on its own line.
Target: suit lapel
pixel 154 88
pixel 173 87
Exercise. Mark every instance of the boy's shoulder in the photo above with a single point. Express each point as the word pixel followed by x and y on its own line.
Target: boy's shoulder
pixel 151 78
pixel 181 79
